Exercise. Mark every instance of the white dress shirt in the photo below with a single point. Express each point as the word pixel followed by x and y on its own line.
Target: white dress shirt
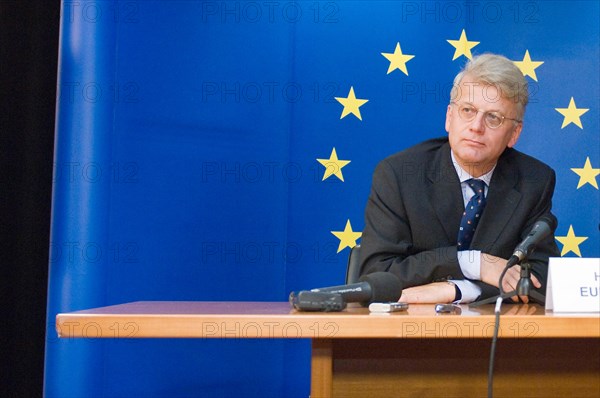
pixel 469 260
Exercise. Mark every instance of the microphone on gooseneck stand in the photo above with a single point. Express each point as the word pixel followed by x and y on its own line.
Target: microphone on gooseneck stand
pixel 543 227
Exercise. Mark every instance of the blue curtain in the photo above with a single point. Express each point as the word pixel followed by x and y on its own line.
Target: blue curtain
pixel 188 141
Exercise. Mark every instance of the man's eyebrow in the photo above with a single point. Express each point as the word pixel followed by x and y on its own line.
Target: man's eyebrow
pixel 487 110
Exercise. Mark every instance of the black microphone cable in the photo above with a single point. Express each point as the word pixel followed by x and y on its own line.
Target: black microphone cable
pixel 544 226
pixel 495 336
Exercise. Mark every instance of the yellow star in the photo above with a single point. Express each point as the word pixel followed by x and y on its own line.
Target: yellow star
pixel 462 46
pixel 587 175
pixel 333 166
pixel 571 242
pixel 347 237
pixel 351 104
pixel 397 60
pixel 528 66
pixel 572 114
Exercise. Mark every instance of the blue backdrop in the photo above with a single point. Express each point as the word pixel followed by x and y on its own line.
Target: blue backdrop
pixel 194 159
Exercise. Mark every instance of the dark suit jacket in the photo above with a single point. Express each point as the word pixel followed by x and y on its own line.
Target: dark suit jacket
pixel 415 207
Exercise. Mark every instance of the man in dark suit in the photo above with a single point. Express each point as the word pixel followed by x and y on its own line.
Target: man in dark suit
pixel 445 215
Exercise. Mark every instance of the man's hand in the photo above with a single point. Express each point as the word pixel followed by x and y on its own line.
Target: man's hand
pixel 492 267
pixel 437 292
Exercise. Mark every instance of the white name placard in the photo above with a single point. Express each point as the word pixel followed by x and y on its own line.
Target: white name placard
pixel 573 285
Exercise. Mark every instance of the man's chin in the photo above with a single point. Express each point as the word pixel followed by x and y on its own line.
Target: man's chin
pixel 470 156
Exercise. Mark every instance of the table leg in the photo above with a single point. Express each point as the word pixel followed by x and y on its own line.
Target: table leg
pixel 321 379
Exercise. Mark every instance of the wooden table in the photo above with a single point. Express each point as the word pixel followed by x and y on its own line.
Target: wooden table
pixel 405 354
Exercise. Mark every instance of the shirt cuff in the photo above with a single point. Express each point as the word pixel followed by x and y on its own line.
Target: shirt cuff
pixel 468 289
pixel 470 263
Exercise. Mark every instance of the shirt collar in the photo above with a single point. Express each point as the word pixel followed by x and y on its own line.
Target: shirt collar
pixel 464 176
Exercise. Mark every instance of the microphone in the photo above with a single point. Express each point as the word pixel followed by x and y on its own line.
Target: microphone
pixel 543 227
pixel 375 287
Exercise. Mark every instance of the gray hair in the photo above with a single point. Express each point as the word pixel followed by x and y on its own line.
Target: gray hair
pixel 500 72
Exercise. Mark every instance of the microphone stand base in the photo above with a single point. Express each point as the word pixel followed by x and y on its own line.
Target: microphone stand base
pixel 534 296
pixel 523 289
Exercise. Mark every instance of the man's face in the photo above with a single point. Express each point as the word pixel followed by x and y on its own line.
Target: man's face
pixel 476 146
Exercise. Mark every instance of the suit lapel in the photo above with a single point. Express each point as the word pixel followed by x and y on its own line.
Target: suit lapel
pixel 502 200
pixel 445 192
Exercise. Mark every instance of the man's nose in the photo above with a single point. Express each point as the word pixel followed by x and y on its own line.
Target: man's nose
pixel 478 124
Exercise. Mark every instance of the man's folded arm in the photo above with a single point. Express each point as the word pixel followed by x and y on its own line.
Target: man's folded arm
pixel 387 245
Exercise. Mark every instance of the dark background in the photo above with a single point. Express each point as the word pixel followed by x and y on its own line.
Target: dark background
pixel 28 64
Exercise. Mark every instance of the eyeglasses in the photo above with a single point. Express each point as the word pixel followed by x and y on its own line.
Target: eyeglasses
pixel 492 119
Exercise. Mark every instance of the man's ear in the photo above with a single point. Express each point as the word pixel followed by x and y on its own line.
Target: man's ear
pixel 515 135
pixel 448 117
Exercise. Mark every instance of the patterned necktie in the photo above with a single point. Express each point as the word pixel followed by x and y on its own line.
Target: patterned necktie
pixel 472 214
